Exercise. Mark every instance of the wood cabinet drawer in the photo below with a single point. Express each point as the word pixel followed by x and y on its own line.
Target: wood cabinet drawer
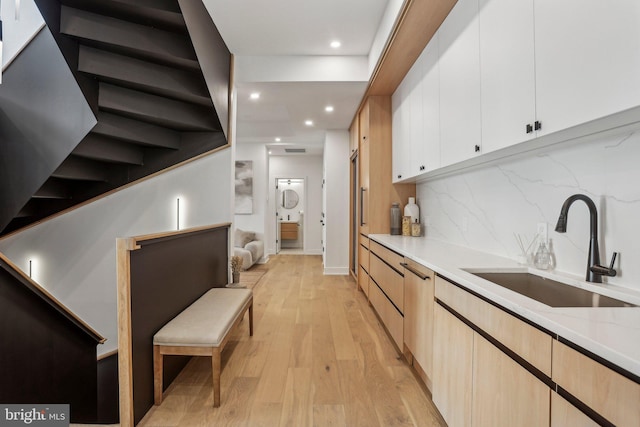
pixel 389 315
pixel 565 414
pixel 363 257
pixel 418 315
pixel 607 392
pixel 289 231
pixel 363 240
pixel 525 340
pixel 393 259
pixel 363 280
pixel 389 280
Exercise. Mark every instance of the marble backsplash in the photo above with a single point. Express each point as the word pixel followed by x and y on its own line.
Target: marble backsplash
pixel 482 208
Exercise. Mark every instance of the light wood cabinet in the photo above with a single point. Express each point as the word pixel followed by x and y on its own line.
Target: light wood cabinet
pixel 363 260
pixel 377 192
pixel 418 316
pixel 610 394
pixel 504 393
pixel 525 340
pixel 503 388
pixel 353 136
pixel 452 368
pixel 389 280
pixel 460 121
pixel 288 231
pixel 390 316
pixel 587 55
pixel 564 414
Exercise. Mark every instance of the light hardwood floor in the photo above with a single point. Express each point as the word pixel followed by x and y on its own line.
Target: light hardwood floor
pixel 318 357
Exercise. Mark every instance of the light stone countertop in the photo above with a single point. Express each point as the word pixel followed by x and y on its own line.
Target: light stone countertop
pixel 611 333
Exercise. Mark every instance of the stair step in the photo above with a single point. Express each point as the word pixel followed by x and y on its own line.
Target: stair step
pixel 144 76
pixel 105 149
pixel 53 189
pixel 157 110
pixel 159 14
pixel 79 169
pixel 136 132
pixel 129 38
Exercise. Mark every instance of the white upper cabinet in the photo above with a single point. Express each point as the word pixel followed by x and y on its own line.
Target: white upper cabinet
pixel 507 74
pixel 400 128
pixel 502 72
pixel 587 55
pixel 460 127
pixel 427 154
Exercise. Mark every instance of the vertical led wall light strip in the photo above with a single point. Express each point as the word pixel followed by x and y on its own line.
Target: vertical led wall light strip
pixel 178 213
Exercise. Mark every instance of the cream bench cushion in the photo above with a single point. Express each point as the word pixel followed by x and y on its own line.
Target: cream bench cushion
pixel 207 321
pixel 202 329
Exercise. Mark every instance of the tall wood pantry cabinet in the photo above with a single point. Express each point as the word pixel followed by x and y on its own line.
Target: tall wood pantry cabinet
pixel 376 192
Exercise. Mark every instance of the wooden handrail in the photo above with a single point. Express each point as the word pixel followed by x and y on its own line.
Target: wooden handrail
pixel 32 285
pixel 134 242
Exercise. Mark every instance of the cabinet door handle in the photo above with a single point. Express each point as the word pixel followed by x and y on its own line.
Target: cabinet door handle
pixel 537 125
pixel 414 271
pixel 362 190
pixel 477 148
pixel 529 128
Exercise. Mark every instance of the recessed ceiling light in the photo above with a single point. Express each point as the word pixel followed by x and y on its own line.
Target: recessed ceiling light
pixel 270 151
pixel 335 44
pixel 308 122
pixel 278 139
pixel 328 109
pixel 254 95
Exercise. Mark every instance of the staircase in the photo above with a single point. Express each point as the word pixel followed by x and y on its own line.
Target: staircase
pixel 137 67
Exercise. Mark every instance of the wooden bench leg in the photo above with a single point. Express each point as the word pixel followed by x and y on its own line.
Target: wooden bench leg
pixel 157 375
pixel 251 319
pixel 216 369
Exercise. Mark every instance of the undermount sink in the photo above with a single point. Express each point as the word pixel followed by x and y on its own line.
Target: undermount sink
pixel 550 292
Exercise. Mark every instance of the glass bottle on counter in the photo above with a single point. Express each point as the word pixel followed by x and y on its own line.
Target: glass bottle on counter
pixel 396 219
pixel 542 257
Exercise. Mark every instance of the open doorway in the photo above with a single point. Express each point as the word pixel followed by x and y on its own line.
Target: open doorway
pixel 290 201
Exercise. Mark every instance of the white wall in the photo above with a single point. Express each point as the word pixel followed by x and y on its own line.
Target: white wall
pixel 310 168
pixel 482 208
pixel 257 220
pixel 75 256
pixel 336 172
pixel 17 33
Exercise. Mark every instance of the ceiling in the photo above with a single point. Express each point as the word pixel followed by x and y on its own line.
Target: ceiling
pixel 295 30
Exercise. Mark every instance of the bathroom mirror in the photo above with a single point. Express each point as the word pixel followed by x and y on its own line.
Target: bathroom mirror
pixel 289 199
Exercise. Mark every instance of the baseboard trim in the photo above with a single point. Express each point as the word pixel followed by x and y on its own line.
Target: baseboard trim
pixel 336 271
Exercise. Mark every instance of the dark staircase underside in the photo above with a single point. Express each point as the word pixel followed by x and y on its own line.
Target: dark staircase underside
pixel 136 65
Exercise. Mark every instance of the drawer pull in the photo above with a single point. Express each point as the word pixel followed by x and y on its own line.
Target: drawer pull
pixel 414 271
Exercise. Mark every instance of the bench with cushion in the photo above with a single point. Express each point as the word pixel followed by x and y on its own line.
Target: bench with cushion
pixel 202 329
